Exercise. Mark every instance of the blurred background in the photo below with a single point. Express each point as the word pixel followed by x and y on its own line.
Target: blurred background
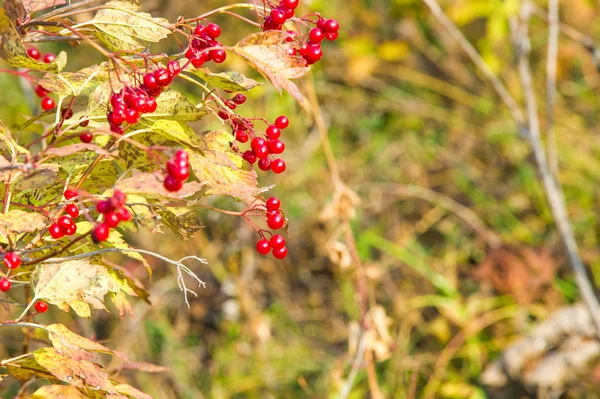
pixel 432 190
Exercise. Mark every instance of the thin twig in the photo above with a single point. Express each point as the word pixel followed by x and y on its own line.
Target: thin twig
pixel 553 32
pixel 358 359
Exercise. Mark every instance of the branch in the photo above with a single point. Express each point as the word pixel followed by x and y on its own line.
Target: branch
pixel 532 133
pixel 553 32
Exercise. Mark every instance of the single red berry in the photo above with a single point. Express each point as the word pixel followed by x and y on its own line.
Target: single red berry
pixel 173 68
pixel 118 199
pixel 72 210
pixel 218 56
pixel 257 142
pixel 264 164
pixel 321 24
pixel 197 61
pixel 116 129
pixel 230 104
pixel 262 151
pixel 200 29
pixel 291 4
pixel 278 16
pixel 41 92
pixel 179 172
pixel 103 207
pixel 84 123
pixel 163 78
pixel 55 231
pixel 71 230
pixel 250 157
pixel 223 115
pixel 86 138
pixel 181 155
pixel 277 241
pixel 49 57
pixel 280 253
pixel 316 35
pixel 314 53
pixel 116 99
pixel 132 116
pixel 34 53
pixel 150 81
pixel 331 36
pixel 278 165
pixel 172 184
pixel 213 30
pixel 69 194
pixel 111 219
pixel 67 113
pixel 116 117
pixel 65 222
pixel 12 260
pixel 123 214
pixel 263 247
pixel 269 24
pixel 273 132
pixel 275 221
pixel 151 105
pixel 273 204
pixel 239 99
pixel 289 12
pixel 331 26
pixel 282 122
pixel 276 146
pixel 5 285
pixel 41 307
pixel 47 103
pixel 241 136
pixel 100 233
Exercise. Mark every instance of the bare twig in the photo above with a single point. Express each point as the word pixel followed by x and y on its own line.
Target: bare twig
pixel 532 133
pixel 358 359
pixel 553 32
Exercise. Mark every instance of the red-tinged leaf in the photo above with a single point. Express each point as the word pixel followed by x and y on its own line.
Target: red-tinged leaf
pixel 38 5
pixel 14 10
pixel 268 53
pixel 75 148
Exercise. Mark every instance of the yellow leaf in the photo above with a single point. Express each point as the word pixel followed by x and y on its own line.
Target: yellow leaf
pixel 18 221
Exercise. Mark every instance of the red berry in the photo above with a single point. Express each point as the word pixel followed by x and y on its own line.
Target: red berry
pixel 273 132
pixel 116 100
pixel 5 285
pixel 218 56
pixel 278 17
pixel 181 173
pixel 151 103
pixel 55 231
pixel 116 129
pixel 282 122
pixel 49 57
pixel 132 116
pixel 264 164
pixel 291 4
pixel 111 219
pixel 289 13
pixel 262 151
pixel 273 204
pixel 69 194
pixel 71 230
pixel 314 53
pixel 181 155
pixel 250 157
pixel 65 222
pixel 331 36
pixel 269 24
pixel 67 113
pixel 84 123
pixel 316 35
pixel 163 78
pixel 104 207
pixel 321 24
pixel 277 241
pixel 197 62
pixel 241 136
pixel 173 68
pixel 12 260
pixel 239 99
pixel 257 142
pixel 172 184
pixel 276 146
pixel 100 233
pixel 116 117
pixel 72 210
pixel 41 92
pixel 41 307
pixel 331 26
pixel 200 29
pixel 150 81
pixel 34 53
pixel 118 199
pixel 263 247
pixel 123 214
pixel 275 221
pixel 47 103
pixel 280 253
pixel 278 166
pixel 86 137
pixel 213 30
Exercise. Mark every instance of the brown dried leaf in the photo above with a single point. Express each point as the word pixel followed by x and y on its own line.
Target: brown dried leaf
pixel 14 10
pixel 268 53
pixel 18 221
pixel 74 346
pixel 38 5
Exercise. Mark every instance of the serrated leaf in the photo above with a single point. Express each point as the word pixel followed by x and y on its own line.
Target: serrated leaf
pixel 123 27
pixel 223 171
pixel 13 52
pixel 149 185
pixel 175 105
pixel 18 221
pixel 83 82
pixel 74 346
pixel 230 81
pixel 78 373
pixel 57 392
pixel 268 53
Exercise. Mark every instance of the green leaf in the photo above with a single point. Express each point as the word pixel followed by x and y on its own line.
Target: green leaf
pixel 268 53
pixel 162 129
pixel 182 221
pixel 230 81
pixel 123 27
pixel 175 105
pixel 13 51
pixel 83 82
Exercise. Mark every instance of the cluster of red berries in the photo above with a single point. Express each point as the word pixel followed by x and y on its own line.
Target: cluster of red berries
pixel 280 14
pixel 311 50
pixel 65 226
pixel 261 148
pixel 34 53
pixel 178 171
pixel 204 39
pixel 114 212
pixel 275 221
pixel 47 103
pixel 11 260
